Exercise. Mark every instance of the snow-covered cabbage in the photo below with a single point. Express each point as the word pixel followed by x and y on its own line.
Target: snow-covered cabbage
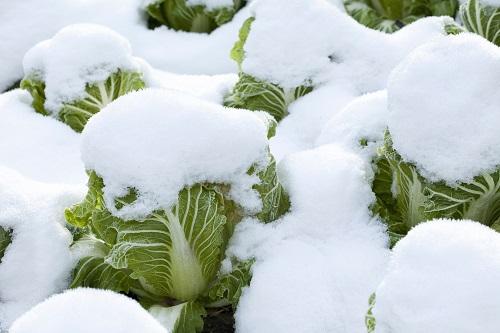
pixel 162 205
pixel 258 95
pixel 447 167
pixel 192 15
pixel 79 71
pixel 441 278
pixel 86 310
pixel 287 48
pixel 483 18
pixel 392 15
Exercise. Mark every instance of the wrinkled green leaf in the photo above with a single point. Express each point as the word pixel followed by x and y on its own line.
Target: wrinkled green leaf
pixel 179 15
pixel 36 88
pixel 5 240
pixel 183 318
pixel 275 201
pixel 391 15
pixel 228 287
pixel 481 19
pixel 370 320
pixel 97 96
pixel 252 94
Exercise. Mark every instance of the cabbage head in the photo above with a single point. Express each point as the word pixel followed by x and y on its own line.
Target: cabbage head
pixel 97 95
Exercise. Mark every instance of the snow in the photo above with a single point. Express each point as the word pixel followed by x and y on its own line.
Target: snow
pixel 174 51
pixel 76 56
pixel 172 140
pixel 443 107
pixel 442 278
pixel 86 310
pixel 38 147
pixel 212 88
pixel 287 45
pixel 365 118
pixel 299 130
pixel 316 267
pixel 38 261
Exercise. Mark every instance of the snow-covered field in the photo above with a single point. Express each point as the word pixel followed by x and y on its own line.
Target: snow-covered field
pixel 258 166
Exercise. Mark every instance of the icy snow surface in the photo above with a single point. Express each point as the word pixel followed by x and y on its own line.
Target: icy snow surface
pixel 159 141
pixel 443 277
pixel 38 261
pixel 316 267
pixel 86 310
pixel 443 108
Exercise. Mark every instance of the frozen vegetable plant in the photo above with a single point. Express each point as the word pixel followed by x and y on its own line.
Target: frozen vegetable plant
pixel 392 15
pixel 192 15
pixel 79 71
pixel 283 54
pixel 163 204
pixel 447 167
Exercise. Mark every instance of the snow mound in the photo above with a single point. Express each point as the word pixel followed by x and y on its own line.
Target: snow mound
pixel 297 42
pixel 159 141
pixel 77 55
pixel 442 278
pixel 303 280
pixel 443 107
pixel 360 126
pixel 86 310
pixel 38 147
pixel 38 262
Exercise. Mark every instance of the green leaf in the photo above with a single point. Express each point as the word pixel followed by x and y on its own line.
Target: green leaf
pixel 370 320
pixel 5 240
pixel 478 201
pixel 176 252
pixel 481 19
pixel 92 270
pixel 275 201
pixel 408 189
pixel 252 94
pixel 179 15
pixel 97 96
pixel 238 52
pixel 228 287
pixel 183 318
pixel 391 15
pixel 36 88
pixel 80 214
